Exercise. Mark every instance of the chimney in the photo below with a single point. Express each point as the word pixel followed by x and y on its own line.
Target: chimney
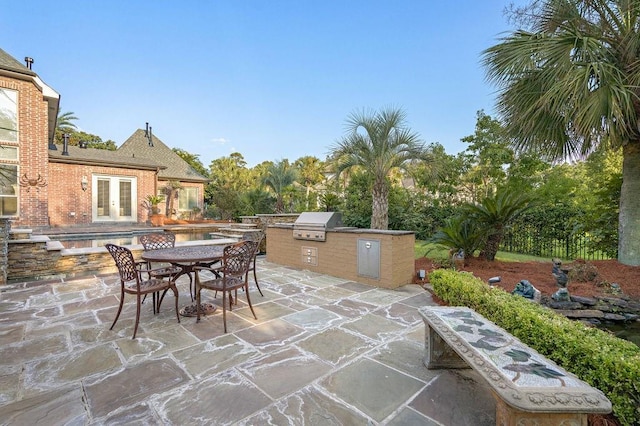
pixel 28 61
pixel 65 146
pixel 150 137
pixel 146 130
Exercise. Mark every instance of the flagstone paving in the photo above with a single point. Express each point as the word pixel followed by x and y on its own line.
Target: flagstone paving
pixel 324 351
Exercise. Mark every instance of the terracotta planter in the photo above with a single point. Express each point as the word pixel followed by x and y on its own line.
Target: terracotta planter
pixel 157 219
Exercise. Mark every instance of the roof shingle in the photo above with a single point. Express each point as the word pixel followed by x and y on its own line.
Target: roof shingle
pixel 176 168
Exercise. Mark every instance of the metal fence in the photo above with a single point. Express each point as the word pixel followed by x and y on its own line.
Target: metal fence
pixel 540 242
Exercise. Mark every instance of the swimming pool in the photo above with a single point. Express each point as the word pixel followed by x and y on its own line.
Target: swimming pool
pixel 71 241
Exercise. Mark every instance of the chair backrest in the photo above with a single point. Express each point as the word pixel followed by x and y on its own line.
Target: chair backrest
pixel 124 261
pixel 257 237
pixel 157 240
pixel 237 258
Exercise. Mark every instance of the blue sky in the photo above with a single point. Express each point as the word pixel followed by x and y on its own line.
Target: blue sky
pixel 269 79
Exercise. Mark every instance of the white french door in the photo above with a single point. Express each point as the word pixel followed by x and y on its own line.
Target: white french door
pixel 114 199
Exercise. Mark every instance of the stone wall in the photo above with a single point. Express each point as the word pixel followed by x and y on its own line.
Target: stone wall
pixel 31 260
pixel 39 258
pixel 338 255
pixel 264 220
pixel 598 309
pixel 5 227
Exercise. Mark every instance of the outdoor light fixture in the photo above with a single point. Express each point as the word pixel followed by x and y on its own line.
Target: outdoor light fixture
pixel 84 183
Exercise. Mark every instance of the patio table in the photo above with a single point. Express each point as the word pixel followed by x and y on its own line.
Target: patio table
pixel 187 258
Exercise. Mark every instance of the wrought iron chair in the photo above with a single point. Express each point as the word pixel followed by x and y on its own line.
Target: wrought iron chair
pixel 132 282
pixel 258 237
pixel 156 241
pixel 228 278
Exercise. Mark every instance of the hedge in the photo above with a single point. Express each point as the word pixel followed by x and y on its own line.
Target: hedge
pixel 595 356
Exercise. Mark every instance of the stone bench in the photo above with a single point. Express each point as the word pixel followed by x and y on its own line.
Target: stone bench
pixel 527 387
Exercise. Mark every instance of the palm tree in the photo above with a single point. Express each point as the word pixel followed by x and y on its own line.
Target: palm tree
pixel 461 235
pixel 278 177
pixel 310 170
pixel 494 214
pixel 571 85
pixel 378 143
pixel 171 189
pixel 65 123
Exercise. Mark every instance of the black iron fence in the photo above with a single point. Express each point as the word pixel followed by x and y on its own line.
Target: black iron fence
pixel 536 241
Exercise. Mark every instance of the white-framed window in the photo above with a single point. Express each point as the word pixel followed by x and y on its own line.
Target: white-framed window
pixel 187 198
pixel 8 115
pixel 8 153
pixel 8 190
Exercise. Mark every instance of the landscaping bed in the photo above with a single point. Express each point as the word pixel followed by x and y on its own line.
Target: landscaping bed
pixel 539 274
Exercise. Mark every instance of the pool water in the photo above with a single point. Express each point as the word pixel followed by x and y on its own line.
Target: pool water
pixel 99 240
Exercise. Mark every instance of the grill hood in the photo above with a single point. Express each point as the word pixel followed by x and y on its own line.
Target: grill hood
pixel 313 225
pixel 323 220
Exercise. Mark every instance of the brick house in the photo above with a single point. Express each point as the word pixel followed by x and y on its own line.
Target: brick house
pixel 43 184
pixel 143 144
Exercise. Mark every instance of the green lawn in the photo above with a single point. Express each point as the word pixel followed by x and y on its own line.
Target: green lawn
pixel 435 251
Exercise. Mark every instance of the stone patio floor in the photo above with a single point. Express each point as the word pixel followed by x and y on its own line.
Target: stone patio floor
pixel 324 351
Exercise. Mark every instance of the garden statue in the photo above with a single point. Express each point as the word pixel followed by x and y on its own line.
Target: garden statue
pixel 525 289
pixel 562 295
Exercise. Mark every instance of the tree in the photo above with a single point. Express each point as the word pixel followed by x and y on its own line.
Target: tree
pixel 378 143
pixel 310 172
pixel 489 153
pixel 192 160
pixel 171 190
pixel 229 177
pixel 460 233
pixel 570 85
pixel 279 176
pixel 494 214
pixel 65 122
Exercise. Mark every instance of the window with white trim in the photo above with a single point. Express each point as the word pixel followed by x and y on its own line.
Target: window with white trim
pixel 8 153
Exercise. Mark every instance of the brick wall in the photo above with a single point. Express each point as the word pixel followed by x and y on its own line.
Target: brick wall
pixel 33 150
pixel 70 206
pixel 338 255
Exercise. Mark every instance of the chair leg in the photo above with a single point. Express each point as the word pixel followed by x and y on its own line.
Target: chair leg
pixel 191 288
pixel 161 298
pixel 197 297
pixel 119 309
pixel 249 300
pixel 175 293
pixel 255 278
pixel 135 329
pixel 224 310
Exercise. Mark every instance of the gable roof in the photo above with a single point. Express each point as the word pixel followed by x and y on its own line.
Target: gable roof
pixel 9 63
pixel 101 157
pixel 176 168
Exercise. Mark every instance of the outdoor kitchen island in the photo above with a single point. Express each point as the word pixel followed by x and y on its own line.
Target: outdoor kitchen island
pixel 317 243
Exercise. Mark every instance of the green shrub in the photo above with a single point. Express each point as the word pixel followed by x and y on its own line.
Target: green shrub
pixel 595 356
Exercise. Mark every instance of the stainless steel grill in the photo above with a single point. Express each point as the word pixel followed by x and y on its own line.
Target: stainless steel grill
pixel 314 225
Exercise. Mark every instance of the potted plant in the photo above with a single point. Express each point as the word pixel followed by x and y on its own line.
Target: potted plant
pixel 152 201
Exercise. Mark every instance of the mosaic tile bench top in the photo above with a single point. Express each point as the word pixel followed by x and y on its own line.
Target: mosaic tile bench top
pixel 512 368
